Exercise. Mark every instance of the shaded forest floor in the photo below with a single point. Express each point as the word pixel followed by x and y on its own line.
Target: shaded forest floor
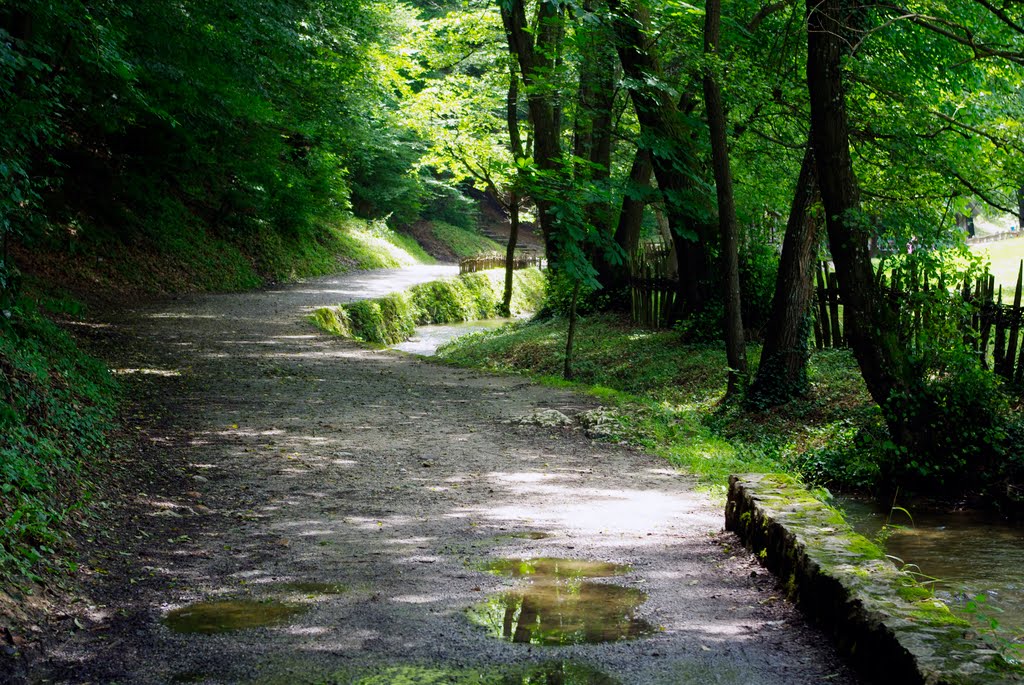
pixel 366 489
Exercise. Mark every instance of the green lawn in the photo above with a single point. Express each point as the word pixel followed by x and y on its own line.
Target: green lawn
pixel 1005 256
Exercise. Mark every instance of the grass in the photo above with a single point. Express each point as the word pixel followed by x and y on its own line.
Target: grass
pixel 391 319
pixel 57 409
pixel 462 242
pixel 668 397
pixel 1005 257
pixel 182 257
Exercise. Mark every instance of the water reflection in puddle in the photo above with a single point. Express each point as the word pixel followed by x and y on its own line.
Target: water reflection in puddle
pixel 527 535
pixel 226 615
pixel 558 607
pixel 551 568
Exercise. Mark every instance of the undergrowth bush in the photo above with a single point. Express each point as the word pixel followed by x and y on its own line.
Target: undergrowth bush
pixel 56 411
pixel 392 319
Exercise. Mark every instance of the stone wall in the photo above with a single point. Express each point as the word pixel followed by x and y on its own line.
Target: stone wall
pixel 890 626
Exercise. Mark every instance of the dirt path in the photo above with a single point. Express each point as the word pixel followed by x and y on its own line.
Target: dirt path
pixel 292 457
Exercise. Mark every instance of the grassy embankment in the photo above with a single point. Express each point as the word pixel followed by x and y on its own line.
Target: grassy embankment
pixel 666 397
pixel 58 405
pixel 183 258
pixel 391 319
pixel 57 408
pixel 463 243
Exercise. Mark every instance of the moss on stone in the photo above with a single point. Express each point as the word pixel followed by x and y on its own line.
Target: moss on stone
pixel 845 580
pixel 392 319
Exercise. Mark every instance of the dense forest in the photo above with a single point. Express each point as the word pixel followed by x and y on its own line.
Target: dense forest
pixel 748 141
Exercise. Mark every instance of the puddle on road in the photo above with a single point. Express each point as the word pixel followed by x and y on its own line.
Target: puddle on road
pixel 547 569
pixel 526 535
pixel 556 673
pixel 226 615
pixel 557 607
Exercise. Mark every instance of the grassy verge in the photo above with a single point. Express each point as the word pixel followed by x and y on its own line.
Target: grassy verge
pixel 463 243
pixel 667 397
pixel 57 408
pixel 389 320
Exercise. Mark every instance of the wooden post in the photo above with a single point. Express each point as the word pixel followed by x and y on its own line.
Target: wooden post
pixel 1011 349
pixel 833 305
pixel 826 331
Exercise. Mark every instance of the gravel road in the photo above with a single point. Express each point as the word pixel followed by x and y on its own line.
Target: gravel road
pixel 366 488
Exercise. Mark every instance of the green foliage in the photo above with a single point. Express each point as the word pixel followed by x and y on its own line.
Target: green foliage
pixel 222 142
pixel 948 420
pixel 392 319
pixel 759 264
pixel 56 411
pixel 959 424
pixel 334 320
pixel 449 205
pixel 558 297
pixel 849 455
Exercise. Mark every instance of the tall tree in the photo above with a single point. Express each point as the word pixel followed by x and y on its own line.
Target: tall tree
pixel 872 321
pixel 536 50
pixel 666 133
pixel 735 345
pixel 782 372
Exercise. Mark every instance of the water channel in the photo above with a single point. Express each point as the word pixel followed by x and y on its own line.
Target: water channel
pixel 427 339
pixel 969 553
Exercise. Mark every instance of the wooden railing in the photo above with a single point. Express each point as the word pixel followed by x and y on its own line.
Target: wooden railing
pixel 996 237
pixel 496 260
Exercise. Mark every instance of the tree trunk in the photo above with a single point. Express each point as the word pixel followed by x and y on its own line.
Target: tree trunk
pixel 782 373
pixel 674 159
pixel 515 145
pixel 535 56
pixel 627 232
pixel 570 338
pixel 735 345
pixel 872 322
pixel 510 252
pixel 1020 209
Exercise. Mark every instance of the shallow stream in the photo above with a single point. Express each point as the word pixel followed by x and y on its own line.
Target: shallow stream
pixel 969 553
pixel 427 339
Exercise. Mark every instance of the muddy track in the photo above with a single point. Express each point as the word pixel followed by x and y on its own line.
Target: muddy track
pixel 293 457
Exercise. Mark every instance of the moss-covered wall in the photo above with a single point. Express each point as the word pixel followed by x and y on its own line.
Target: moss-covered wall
pixel 892 627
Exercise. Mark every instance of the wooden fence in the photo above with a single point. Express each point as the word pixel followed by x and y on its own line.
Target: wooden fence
pixel 496 260
pixel 997 237
pixel 990 320
pixel 654 293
